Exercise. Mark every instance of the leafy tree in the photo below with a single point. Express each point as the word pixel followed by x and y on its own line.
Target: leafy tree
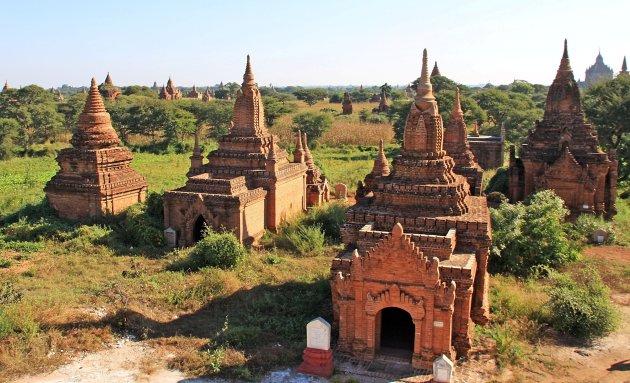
pixel 521 86
pixel 9 129
pixel 386 89
pixel 310 96
pixel 526 237
pixel 71 109
pixel 336 98
pixel 233 88
pixel 275 108
pixel 140 91
pixel 397 115
pixel 472 111
pixel 313 124
pixel 607 105
pixel 35 110
pixel 360 96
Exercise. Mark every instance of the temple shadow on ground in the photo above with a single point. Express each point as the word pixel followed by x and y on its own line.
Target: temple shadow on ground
pixel 267 323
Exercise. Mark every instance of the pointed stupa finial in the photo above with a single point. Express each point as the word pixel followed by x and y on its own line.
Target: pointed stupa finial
pixel 6 84
pixel 108 79
pixel 624 67
pixel 308 156
pixel 435 71
pixel 272 150
pixel 457 106
pixel 381 164
pixel 424 90
pixel 298 154
pixel 248 77
pixel 565 64
pixel 94 102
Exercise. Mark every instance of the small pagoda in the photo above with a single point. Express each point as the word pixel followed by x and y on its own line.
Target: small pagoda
pixel 207 95
pixel 346 105
pixel 412 279
pixel 317 186
pixel 95 178
pixel 108 90
pixel 457 147
pixel 562 154
pixel 194 93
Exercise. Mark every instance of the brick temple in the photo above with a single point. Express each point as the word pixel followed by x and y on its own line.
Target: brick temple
pixel 346 104
pixel 95 178
pixel 108 90
pixel 248 185
pixel 412 280
pixel 194 93
pixel 457 147
pixel 170 92
pixel 489 151
pixel 562 154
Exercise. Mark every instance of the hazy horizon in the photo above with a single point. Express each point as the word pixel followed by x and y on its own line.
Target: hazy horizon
pixel 304 43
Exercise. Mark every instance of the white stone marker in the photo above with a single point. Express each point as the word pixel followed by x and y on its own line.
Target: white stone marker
pixel 443 370
pixel 170 235
pixel 318 334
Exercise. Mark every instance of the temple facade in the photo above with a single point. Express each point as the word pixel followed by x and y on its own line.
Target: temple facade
pixel 412 280
pixel 346 105
pixel 194 93
pixel 457 147
pixel 170 92
pixel 247 186
pixel 562 154
pixel 95 178
pixel 598 71
pixel 489 151
pixel 108 90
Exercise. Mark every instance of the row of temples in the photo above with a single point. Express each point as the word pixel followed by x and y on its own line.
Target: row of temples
pixel 411 280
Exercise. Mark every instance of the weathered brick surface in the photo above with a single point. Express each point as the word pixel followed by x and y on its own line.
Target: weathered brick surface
pixel 436 269
pixel 95 177
pixel 562 154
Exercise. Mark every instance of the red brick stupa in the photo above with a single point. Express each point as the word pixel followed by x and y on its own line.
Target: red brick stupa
pixel 457 147
pixel 412 280
pixel 170 92
pixel 108 90
pixel 95 178
pixel 562 154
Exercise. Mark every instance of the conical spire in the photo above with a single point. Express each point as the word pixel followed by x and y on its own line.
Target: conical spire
pixel 95 129
pixel 565 65
pixel 298 154
pixel 248 77
pixel 272 150
pixel 424 91
pixel 457 107
pixel 435 71
pixel 108 79
pixel 308 156
pixel 381 164
pixel 6 84
pixel 94 102
pixel 624 67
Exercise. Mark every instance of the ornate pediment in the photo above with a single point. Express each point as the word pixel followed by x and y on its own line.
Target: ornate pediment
pixel 565 167
pixel 393 296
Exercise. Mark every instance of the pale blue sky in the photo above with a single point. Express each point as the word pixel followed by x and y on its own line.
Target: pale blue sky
pixel 304 42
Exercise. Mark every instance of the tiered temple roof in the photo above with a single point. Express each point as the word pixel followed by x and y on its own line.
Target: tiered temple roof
pixel 563 129
pixel 435 71
pixel 95 178
pixel 108 89
pixel 170 92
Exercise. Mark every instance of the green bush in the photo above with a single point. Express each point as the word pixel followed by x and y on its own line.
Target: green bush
pixel 221 250
pixel 5 263
pixel 6 325
pixel 141 229
pixel 581 306
pixel 301 238
pixel 329 217
pixel 586 224
pixel 526 237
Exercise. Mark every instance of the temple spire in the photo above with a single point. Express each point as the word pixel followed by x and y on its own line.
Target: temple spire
pixel 6 83
pixel 565 65
pixel 248 77
pixel 94 103
pixel 308 156
pixel 424 91
pixel 435 71
pixel 298 154
pixel 624 67
pixel 457 107
pixel 108 79
pixel 272 150
pixel 381 165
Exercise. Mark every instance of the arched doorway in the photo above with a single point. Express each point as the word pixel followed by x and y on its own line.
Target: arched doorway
pixel 199 228
pixel 396 332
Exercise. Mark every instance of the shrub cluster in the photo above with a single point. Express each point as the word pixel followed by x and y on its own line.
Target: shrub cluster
pixel 580 306
pixel 221 250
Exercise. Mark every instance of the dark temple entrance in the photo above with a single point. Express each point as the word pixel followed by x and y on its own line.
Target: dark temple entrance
pixel 199 228
pixel 397 332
